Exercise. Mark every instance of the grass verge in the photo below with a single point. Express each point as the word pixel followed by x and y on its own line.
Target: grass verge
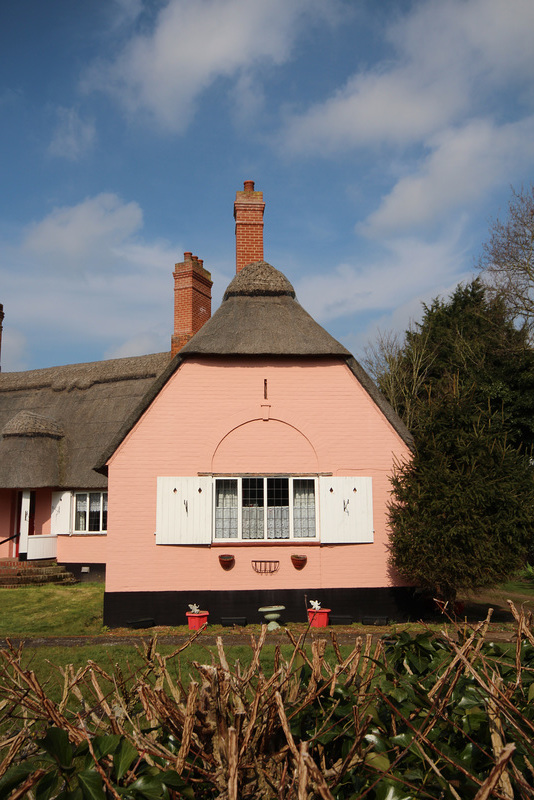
pixel 52 610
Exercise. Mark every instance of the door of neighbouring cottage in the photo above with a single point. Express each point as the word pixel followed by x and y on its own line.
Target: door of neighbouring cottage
pixel 25 523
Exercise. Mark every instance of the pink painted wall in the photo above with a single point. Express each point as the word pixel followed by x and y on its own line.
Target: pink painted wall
pixel 82 549
pixel 7 521
pixel 212 417
pixel 43 511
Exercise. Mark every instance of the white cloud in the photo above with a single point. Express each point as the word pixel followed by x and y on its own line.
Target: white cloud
pixel 450 56
pixel 248 99
pixel 464 165
pixel 146 342
pixel 397 107
pixel 73 137
pixel 407 268
pixel 77 233
pixel 162 71
pixel 399 319
pixel 385 292
pixel 84 274
pixel 480 39
pixel 126 11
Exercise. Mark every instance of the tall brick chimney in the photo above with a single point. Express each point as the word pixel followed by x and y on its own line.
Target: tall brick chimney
pixel 192 300
pixel 248 215
pixel 1 328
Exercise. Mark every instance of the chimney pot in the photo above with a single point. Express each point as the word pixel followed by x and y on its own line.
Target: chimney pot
pixel 249 186
pixel 187 256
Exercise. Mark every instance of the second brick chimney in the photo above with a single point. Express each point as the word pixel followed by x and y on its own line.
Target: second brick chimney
pixel 192 300
pixel 248 215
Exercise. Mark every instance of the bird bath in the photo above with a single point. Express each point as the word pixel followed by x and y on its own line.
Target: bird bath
pixel 272 615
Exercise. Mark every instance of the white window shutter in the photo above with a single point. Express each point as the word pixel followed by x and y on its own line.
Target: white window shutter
pixel 346 511
pixel 184 510
pixel 60 520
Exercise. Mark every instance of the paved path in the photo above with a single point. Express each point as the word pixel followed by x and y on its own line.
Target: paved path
pixel 496 632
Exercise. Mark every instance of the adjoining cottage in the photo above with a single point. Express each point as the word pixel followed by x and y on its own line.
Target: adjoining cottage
pixel 54 424
pixel 261 440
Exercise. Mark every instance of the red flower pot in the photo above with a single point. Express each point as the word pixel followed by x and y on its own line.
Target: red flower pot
pixel 196 619
pixel 299 562
pixel 318 619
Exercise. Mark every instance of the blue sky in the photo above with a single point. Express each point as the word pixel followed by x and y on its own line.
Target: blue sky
pixel 384 136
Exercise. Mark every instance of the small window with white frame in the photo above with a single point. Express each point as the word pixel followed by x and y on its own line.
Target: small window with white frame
pixel 91 512
pixel 265 508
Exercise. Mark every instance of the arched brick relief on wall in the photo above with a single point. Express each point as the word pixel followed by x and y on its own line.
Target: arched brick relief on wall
pixel 265 446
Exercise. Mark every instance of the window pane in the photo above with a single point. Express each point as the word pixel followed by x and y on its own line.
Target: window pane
pixel 278 508
pixel 81 513
pixel 253 508
pixel 95 504
pixel 303 508
pixel 105 511
pixel 226 509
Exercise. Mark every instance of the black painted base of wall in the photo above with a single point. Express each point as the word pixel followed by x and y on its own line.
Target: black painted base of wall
pixel 397 604
pixel 85 572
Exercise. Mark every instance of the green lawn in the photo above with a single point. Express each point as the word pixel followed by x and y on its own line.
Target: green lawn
pixel 523 586
pixel 52 610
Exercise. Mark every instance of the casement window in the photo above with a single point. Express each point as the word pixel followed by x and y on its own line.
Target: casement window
pixel 265 508
pixel 90 512
pixel 255 509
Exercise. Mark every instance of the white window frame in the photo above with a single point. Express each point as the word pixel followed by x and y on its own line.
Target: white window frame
pixel 86 532
pixel 265 539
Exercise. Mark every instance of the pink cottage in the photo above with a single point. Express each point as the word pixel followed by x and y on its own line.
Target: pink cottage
pixel 254 471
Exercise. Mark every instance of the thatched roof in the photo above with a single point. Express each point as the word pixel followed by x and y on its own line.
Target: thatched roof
pixel 55 422
pixel 259 279
pixel 27 424
pixel 260 316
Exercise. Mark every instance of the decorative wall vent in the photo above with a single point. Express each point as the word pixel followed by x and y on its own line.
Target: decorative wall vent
pixel 265 567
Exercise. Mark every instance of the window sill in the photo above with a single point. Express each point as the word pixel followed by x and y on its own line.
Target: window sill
pixel 78 534
pixel 266 543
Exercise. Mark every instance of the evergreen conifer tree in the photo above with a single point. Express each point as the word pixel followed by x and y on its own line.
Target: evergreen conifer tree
pixel 462 512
